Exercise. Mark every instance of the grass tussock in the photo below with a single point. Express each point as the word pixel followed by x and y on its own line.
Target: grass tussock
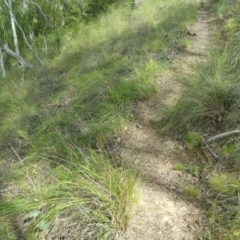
pixel 210 101
pixel 86 195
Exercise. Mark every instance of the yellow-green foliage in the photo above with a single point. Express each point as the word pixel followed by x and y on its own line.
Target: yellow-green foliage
pixel 231 25
pixel 179 166
pixel 224 183
pixel 192 192
pixel 193 139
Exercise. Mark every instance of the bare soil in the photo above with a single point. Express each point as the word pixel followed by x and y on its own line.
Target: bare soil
pixel 164 210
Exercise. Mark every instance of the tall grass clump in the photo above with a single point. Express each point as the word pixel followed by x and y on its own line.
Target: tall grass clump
pixel 87 196
pixel 224 8
pixel 209 99
pixel 211 96
pixel 223 208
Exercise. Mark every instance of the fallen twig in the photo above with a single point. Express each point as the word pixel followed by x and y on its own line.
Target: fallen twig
pixel 212 152
pixel 222 135
pixel 217 137
pixel 18 157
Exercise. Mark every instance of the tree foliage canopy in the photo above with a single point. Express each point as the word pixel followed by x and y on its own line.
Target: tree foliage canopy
pixel 37 19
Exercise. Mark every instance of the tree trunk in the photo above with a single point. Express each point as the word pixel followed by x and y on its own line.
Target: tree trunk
pixel 23 34
pixel 2 63
pixel 13 26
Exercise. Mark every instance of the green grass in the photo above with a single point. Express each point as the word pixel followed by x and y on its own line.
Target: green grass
pixel 87 192
pixel 5 231
pixel 193 169
pixel 100 73
pixel 192 192
pixel 224 183
pixel 210 100
pixel 57 121
pixel 210 105
pixel 179 166
pixel 193 139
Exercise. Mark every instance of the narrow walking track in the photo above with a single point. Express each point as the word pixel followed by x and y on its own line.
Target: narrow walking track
pixel 163 211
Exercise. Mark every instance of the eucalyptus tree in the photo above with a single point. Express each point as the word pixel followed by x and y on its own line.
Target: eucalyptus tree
pixel 12 36
pixel 22 22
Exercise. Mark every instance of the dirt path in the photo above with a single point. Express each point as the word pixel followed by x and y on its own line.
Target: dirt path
pixel 164 212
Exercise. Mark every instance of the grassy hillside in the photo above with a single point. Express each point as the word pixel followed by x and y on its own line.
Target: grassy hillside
pixel 211 107
pixel 58 122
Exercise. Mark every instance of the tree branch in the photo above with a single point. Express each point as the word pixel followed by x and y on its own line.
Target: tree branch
pixel 222 135
pixel 23 34
pixel 18 157
pixel 15 55
pixel 212 152
pixel 9 5
pixel 40 11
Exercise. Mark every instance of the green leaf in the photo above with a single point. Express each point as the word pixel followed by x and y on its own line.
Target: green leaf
pixel 43 225
pixel 32 214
